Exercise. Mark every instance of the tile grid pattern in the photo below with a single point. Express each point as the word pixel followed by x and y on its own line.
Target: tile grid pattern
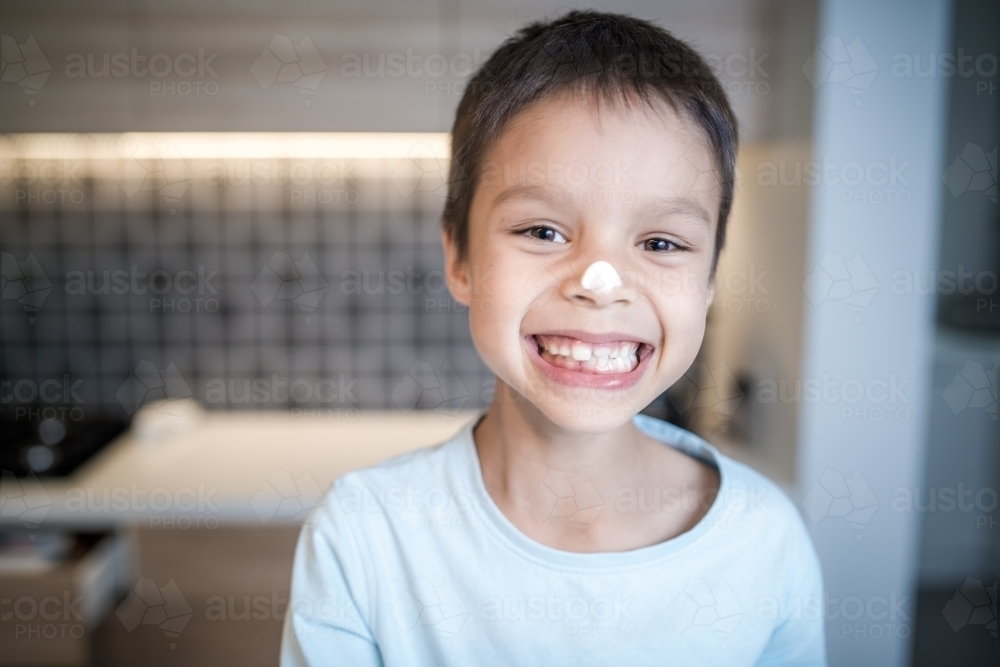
pixel 274 302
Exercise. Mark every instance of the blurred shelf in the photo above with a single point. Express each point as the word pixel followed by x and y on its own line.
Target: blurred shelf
pixel 56 610
pixel 231 468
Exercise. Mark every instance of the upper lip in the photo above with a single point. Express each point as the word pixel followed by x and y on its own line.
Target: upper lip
pixel 595 338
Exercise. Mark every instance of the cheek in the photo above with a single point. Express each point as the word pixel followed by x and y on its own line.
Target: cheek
pixel 495 313
pixel 684 326
pixel 504 288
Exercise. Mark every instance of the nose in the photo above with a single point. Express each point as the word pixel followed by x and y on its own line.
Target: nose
pixel 597 286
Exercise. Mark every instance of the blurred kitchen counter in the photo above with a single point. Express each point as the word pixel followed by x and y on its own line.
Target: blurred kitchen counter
pixel 226 468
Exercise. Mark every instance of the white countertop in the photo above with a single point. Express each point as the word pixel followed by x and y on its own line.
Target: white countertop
pixel 257 468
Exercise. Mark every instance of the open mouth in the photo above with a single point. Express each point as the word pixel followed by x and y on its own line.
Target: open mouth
pixel 604 358
pixel 600 361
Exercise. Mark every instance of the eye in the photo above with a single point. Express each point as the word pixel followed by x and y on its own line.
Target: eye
pixel 543 233
pixel 661 245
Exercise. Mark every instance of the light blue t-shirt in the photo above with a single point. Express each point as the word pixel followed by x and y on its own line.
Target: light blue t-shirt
pixel 411 563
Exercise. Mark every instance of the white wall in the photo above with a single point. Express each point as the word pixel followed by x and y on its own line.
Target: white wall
pixel 871 554
pixel 238 32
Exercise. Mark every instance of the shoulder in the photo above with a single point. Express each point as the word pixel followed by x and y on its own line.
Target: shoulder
pixel 398 485
pixel 751 514
pixel 752 502
pixel 428 463
pixel 747 490
pixel 745 496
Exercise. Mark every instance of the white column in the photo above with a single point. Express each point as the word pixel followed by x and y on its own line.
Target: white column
pixel 877 138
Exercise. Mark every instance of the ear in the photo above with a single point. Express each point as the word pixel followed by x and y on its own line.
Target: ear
pixel 456 273
pixel 710 293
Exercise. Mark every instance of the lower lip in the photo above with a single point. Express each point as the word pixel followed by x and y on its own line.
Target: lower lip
pixel 571 378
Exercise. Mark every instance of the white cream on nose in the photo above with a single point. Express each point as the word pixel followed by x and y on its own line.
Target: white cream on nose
pixel 600 277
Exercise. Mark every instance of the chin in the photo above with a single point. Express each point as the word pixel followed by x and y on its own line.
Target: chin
pixel 586 416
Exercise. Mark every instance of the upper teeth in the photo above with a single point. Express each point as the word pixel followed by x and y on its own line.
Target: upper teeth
pixel 581 351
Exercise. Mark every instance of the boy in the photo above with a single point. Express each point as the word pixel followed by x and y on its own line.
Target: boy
pixel 591 178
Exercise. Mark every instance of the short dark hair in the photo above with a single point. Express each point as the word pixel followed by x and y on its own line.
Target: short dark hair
pixel 610 55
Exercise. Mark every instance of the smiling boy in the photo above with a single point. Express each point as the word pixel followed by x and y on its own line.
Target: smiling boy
pixel 591 179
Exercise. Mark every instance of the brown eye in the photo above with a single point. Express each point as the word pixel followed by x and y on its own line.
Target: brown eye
pixel 660 245
pixel 545 234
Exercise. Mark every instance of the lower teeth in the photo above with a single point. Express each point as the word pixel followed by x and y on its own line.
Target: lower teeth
pixel 595 363
pixel 603 364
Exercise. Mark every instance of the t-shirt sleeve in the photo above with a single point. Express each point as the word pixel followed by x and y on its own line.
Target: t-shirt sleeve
pixel 799 635
pixel 324 624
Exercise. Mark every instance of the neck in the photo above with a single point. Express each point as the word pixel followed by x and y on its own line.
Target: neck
pixel 518 446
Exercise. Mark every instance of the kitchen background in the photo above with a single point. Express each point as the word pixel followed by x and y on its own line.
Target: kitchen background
pixel 235 205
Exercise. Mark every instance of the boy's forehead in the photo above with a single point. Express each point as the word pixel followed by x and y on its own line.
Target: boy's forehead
pixel 611 118
pixel 573 143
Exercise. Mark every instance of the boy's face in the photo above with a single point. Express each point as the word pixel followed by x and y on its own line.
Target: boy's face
pixel 570 183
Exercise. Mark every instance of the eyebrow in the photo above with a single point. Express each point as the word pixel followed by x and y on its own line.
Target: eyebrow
pixel 523 192
pixel 678 206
